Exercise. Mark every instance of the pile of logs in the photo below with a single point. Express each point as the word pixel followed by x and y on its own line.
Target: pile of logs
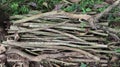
pixel 59 39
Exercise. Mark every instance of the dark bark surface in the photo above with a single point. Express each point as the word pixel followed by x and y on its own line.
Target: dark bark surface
pixel 4 24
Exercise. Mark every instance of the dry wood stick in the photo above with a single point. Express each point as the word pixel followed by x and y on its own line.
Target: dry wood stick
pixel 44 56
pixel 103 51
pixel 43 28
pixel 61 47
pixel 81 29
pixel 62 37
pixel 78 50
pixel 40 44
pixel 81 16
pixel 62 63
pixel 61 27
pixel 66 34
pixel 62 54
pixel 86 60
pixel 47 24
pixel 34 25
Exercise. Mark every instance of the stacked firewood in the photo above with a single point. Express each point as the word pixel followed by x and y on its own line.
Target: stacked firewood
pixel 60 39
pixel 57 41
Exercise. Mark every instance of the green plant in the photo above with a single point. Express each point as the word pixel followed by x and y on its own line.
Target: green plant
pixel 14 7
pixel 24 9
pixel 2 1
pixel 70 8
pixel 87 5
pixel 102 8
pixel 46 5
pixel 83 65
pixel 117 50
pixel 21 6
pixel 85 10
pixel 84 6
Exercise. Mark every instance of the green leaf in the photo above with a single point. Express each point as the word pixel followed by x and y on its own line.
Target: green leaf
pixel 56 1
pixel 88 9
pixel 24 9
pixel 3 1
pixel 117 50
pixel 71 8
pixel 14 6
pixel 83 10
pixel 83 65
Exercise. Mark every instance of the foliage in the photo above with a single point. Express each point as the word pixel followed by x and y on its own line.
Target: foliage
pixel 113 17
pixel 84 6
pixel 23 7
pixel 70 8
pixel 117 50
pixel 83 65
pixel 102 8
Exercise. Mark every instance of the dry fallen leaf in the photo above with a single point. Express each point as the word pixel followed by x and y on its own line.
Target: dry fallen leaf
pixel 2 59
pixel 2 49
pixel 45 4
pixel 114 58
pixel 17 36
